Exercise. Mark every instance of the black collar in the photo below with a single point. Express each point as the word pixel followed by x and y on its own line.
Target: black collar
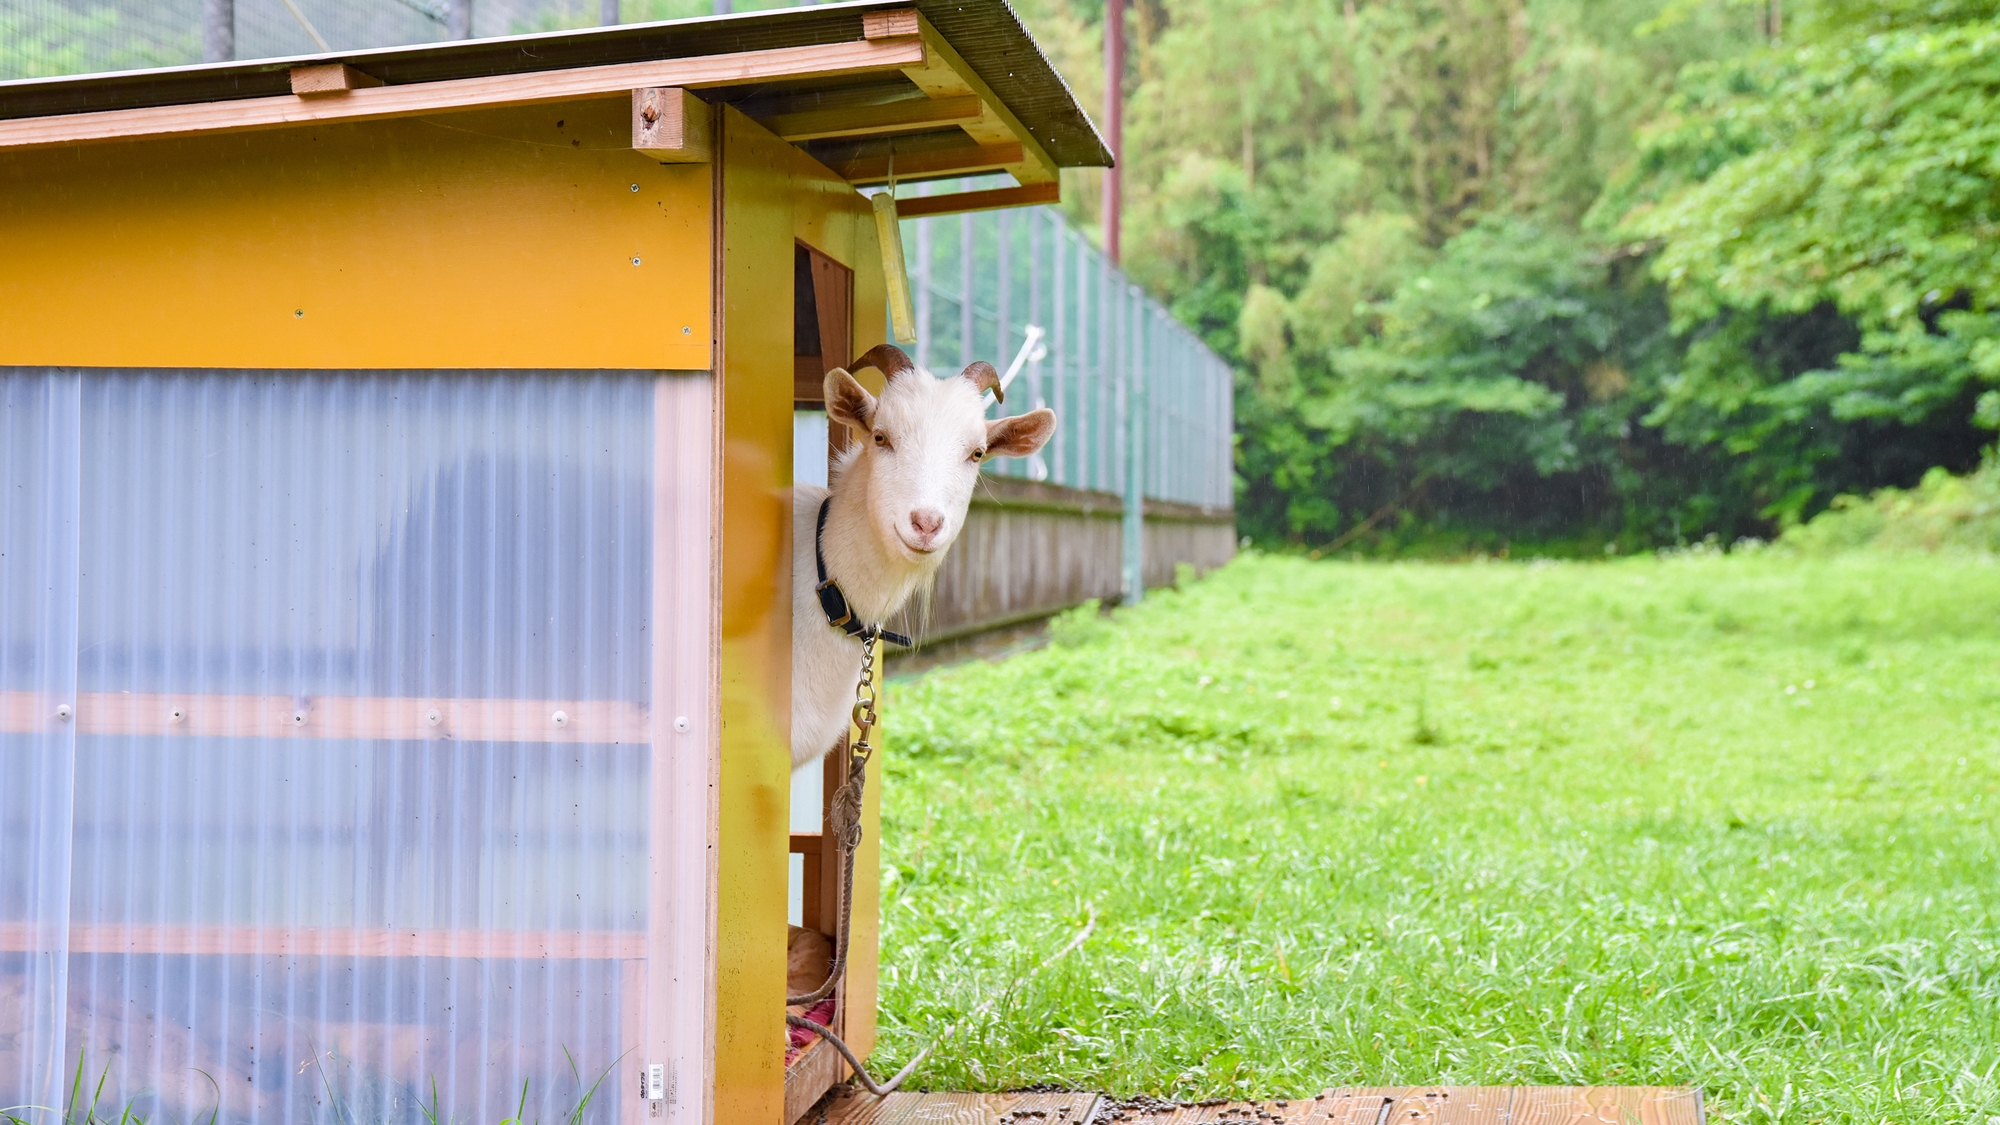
pixel 833 601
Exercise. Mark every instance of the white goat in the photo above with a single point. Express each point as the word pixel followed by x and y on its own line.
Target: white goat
pixel 898 499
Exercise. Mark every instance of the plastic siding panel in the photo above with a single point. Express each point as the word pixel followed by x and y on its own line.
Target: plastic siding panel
pixel 38 568
pixel 362 748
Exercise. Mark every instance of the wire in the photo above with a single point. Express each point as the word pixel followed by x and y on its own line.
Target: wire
pixel 884 1089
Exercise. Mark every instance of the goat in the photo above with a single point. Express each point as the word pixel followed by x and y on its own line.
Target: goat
pixel 899 494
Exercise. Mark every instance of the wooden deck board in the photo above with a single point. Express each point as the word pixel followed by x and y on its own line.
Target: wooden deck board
pixel 851 1107
pixel 1345 1105
pixel 1324 1110
pixel 1435 1105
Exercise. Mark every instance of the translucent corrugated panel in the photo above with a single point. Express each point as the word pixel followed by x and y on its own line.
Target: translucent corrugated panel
pixel 979 280
pixel 358 824
pixel 45 37
pixel 38 573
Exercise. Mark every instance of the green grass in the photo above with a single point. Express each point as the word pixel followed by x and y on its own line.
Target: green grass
pixel 1706 820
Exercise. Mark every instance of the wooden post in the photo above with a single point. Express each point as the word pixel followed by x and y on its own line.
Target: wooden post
pixel 671 126
pixel 1114 120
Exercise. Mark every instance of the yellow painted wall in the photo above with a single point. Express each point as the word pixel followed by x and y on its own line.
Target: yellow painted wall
pixel 500 238
pixel 772 194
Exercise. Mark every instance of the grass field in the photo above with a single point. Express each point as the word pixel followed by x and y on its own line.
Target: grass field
pixel 1720 821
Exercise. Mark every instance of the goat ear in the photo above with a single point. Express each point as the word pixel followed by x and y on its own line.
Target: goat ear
pixel 1020 435
pixel 848 402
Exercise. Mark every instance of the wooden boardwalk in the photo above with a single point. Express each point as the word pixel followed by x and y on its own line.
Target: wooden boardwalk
pixel 1347 1105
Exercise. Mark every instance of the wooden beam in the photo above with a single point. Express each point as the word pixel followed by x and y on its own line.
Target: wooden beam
pixel 889 25
pixel 329 78
pixel 184 939
pixel 956 203
pixel 944 73
pixel 418 99
pixel 334 717
pixel 937 162
pixel 671 125
pixel 906 116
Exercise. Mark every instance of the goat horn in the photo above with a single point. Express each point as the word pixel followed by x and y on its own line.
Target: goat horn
pixel 982 376
pixel 887 358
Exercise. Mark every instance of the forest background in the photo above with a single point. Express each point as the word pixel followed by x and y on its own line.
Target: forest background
pixel 1581 275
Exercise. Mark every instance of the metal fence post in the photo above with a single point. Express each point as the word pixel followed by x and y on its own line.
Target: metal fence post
pixel 1134 380
pixel 1144 406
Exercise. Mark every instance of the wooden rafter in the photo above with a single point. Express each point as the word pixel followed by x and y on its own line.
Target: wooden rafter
pixel 962 161
pixel 944 73
pixel 1028 195
pixel 424 98
pixel 905 116
pixel 329 78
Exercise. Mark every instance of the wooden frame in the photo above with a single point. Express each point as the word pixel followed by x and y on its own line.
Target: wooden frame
pixel 943 73
pixel 332 941
pixel 334 717
pixel 455 95
pixel 1027 195
pixel 833 303
pixel 963 161
pixel 329 78
pixel 907 115
pixel 671 126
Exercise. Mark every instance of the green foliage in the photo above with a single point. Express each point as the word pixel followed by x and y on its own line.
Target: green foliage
pixel 1329 191
pixel 61 40
pixel 1721 820
pixel 1943 512
pixel 1824 215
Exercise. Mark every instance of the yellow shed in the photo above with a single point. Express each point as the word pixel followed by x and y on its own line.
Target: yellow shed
pixel 394 638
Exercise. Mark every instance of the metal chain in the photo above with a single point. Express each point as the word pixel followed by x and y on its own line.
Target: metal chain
pixel 843 815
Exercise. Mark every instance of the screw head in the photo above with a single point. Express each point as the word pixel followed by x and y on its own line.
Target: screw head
pixel 298 313
pixel 560 718
pixel 176 715
pixel 681 724
pixel 434 716
pixel 635 261
pixel 63 712
pixel 298 718
pixel 687 329
pixel 635 187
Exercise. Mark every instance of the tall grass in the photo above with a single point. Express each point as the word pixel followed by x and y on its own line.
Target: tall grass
pixel 1724 821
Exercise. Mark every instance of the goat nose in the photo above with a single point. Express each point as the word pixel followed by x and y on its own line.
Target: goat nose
pixel 926 521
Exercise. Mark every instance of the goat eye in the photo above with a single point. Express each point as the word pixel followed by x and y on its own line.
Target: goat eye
pixel 881 441
pixel 978 453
